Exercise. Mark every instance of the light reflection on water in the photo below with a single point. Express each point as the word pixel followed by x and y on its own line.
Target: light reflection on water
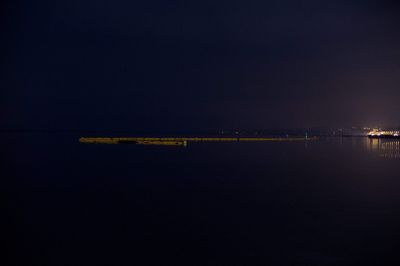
pixel 386 148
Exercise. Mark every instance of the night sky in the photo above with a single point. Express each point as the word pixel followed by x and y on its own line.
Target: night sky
pixel 205 65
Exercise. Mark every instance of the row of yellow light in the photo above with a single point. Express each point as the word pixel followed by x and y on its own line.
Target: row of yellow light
pixel 378 133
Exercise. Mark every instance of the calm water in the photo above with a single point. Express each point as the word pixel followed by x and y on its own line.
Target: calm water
pixel 327 202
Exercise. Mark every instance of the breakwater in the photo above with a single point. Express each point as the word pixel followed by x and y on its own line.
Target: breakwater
pixel 180 141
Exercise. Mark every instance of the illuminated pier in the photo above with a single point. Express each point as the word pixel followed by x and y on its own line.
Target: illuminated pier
pixel 178 141
pixel 376 133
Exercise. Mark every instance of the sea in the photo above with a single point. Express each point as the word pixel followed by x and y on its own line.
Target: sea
pixel 329 201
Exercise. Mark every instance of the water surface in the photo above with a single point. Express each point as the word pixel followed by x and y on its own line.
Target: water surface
pixel 327 202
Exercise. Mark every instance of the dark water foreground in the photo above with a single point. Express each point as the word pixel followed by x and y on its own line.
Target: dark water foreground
pixel 327 202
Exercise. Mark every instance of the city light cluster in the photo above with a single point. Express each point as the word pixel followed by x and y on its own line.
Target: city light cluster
pixel 383 133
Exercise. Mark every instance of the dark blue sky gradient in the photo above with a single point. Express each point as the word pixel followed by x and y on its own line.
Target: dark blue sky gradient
pixel 174 65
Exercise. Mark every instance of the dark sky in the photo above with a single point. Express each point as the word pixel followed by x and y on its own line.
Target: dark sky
pixel 204 65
